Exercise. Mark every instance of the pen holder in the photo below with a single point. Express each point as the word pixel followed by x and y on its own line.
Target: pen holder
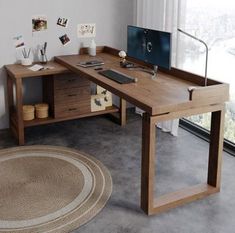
pixel 26 61
pixel 44 59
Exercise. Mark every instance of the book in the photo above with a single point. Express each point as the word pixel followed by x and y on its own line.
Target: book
pixel 90 63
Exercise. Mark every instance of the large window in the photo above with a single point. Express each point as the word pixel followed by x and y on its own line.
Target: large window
pixel 214 22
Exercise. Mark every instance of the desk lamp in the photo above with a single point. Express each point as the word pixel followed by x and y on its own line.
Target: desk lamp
pixel 194 37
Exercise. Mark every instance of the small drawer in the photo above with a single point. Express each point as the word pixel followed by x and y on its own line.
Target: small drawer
pixel 72 95
pixel 61 83
pixel 72 109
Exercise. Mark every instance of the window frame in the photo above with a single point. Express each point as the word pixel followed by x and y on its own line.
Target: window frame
pixel 204 134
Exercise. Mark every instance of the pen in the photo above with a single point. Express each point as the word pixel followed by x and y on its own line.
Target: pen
pixel 45 47
pixel 24 53
pixel 29 52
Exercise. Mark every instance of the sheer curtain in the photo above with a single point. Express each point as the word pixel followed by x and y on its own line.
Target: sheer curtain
pixel 160 15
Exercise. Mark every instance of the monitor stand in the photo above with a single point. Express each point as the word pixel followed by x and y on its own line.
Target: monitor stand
pixel 152 72
pixel 131 66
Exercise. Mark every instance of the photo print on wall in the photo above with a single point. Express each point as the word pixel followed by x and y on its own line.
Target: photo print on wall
pixel 39 23
pixel 64 39
pixel 86 30
pixel 63 22
pixel 19 42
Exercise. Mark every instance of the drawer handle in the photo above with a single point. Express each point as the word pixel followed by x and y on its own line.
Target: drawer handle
pixel 72 109
pixel 71 95
pixel 71 80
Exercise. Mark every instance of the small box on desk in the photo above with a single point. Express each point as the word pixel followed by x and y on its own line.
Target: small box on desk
pixel 97 103
pixel 107 96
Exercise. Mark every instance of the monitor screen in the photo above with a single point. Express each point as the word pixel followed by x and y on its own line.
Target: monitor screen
pixel 150 46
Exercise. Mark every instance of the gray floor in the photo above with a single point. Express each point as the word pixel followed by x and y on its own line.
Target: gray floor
pixel 181 161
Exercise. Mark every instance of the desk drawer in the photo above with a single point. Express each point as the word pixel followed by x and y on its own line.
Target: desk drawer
pixel 72 109
pixel 63 82
pixel 72 95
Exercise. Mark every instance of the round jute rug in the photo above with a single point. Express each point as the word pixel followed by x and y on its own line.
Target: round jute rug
pixel 50 189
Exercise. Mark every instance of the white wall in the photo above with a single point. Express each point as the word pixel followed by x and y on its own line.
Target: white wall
pixel 111 18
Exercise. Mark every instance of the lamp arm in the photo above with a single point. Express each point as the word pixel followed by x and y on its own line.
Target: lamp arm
pixel 207 50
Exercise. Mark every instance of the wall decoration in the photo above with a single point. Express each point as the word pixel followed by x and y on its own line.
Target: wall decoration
pixel 63 22
pixel 19 42
pixel 107 96
pixel 39 23
pixel 86 30
pixel 64 39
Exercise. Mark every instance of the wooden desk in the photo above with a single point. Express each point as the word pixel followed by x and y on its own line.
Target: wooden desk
pixel 16 74
pixel 163 99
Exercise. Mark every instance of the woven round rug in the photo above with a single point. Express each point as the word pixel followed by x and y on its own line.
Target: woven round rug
pixel 50 189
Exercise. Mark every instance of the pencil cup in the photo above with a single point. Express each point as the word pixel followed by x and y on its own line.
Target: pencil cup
pixel 26 62
pixel 43 59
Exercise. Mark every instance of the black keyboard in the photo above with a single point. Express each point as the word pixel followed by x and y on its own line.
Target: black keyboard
pixel 117 77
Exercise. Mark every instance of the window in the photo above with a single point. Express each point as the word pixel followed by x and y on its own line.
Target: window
pixel 214 22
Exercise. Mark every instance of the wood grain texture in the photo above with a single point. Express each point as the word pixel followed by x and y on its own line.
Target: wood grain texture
pixel 122 112
pixel 19 71
pixel 168 93
pixel 19 111
pixel 216 148
pixel 68 96
pixel 10 97
pixel 50 120
pixel 151 205
pixel 165 98
pixel 147 164
pixel 181 197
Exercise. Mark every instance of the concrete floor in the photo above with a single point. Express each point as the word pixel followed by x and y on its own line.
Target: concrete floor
pixel 181 161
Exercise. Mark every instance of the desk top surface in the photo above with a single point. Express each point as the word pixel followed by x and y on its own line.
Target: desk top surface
pixel 167 93
pixel 19 71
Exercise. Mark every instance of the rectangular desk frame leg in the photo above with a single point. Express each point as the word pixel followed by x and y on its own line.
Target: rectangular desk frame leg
pixel 216 149
pixel 120 117
pixel 15 120
pixel 151 205
pixel 19 111
pixel 122 113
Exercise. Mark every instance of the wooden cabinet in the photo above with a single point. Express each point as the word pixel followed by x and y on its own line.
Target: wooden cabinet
pixel 68 96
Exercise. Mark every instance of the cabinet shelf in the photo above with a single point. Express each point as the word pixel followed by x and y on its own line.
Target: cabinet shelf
pixel 50 120
pixel 67 94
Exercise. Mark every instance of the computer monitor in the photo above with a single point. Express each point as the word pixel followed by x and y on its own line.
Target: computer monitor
pixel 150 46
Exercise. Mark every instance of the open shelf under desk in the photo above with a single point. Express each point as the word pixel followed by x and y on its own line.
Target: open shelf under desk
pixel 50 120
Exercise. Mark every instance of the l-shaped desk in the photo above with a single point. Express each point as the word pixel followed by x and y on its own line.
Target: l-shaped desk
pixel 168 97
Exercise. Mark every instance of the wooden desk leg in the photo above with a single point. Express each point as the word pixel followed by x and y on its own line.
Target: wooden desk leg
pixel 19 111
pixel 148 163
pixel 122 112
pixel 216 148
pixel 10 93
pixel 10 99
pixel 151 205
